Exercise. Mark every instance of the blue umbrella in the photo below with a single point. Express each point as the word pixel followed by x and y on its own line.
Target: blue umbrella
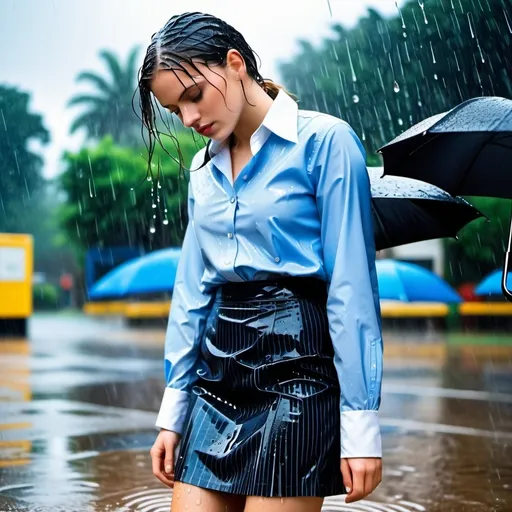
pixel 399 280
pixel 151 273
pixel 491 285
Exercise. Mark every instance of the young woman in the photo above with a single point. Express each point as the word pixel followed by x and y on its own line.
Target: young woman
pixel 273 354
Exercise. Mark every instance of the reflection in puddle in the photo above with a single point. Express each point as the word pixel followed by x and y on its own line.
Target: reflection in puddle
pixel 78 412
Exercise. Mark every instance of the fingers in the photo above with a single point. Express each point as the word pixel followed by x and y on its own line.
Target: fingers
pixel 366 475
pixel 377 476
pixel 346 475
pixel 169 458
pixel 358 469
pixel 160 459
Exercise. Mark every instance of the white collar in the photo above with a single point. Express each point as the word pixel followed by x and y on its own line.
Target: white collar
pixel 281 119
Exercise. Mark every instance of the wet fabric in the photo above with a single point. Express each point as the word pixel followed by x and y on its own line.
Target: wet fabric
pixel 301 207
pixel 264 417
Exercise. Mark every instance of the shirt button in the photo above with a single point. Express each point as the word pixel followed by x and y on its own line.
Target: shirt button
pixel 277 259
pixel 232 200
pixel 230 235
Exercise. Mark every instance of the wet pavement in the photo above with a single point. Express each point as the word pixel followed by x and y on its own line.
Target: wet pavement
pixel 78 402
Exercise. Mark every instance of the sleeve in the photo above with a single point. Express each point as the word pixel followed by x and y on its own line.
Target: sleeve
pixel 190 307
pixel 353 308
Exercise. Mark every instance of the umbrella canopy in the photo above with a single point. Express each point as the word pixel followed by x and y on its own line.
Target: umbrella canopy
pixel 152 273
pixel 466 151
pixel 491 285
pixel 407 211
pixel 399 280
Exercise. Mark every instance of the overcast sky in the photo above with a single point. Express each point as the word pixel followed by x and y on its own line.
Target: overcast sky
pixel 46 43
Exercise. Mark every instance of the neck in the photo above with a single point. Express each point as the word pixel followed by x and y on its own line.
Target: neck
pixel 256 107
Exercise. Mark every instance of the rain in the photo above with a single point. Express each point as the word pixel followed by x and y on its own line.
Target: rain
pixel 94 211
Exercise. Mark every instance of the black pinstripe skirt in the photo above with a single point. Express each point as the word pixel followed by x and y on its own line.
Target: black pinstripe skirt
pixel 264 416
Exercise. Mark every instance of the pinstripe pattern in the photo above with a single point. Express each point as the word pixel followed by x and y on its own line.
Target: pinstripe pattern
pixel 264 419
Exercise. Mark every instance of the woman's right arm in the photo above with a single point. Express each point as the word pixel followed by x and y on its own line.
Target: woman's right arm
pixel 190 307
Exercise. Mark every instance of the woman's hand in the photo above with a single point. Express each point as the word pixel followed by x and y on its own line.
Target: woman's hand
pixel 162 456
pixel 360 477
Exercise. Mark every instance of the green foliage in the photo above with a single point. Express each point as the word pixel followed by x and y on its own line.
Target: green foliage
pixel 385 75
pixel 111 202
pixel 20 167
pixel 383 78
pixel 481 244
pixel 45 296
pixel 109 110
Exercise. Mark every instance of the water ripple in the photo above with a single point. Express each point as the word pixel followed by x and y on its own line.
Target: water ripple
pixel 157 500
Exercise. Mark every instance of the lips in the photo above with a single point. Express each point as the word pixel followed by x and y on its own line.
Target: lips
pixel 205 129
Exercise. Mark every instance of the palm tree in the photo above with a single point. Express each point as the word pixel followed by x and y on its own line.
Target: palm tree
pixel 109 111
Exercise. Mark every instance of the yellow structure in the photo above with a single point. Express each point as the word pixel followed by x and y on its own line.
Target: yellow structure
pixel 16 270
pixel 485 309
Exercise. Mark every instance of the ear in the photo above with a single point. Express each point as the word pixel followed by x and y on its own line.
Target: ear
pixel 236 64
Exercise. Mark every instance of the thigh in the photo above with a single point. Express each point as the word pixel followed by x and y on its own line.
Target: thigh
pixel 294 504
pixel 189 498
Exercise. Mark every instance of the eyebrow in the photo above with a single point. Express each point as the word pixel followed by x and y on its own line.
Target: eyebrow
pixel 182 94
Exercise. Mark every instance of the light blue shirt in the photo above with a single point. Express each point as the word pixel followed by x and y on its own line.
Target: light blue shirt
pixel 300 207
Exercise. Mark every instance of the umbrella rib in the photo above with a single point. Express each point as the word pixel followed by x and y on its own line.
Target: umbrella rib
pixel 435 136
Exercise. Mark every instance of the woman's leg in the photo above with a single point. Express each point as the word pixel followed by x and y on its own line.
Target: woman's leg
pixel 298 504
pixel 189 498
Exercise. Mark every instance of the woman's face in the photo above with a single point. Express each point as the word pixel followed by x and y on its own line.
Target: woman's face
pixel 210 102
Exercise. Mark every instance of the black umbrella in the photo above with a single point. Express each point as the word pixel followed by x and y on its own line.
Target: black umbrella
pixel 407 211
pixel 466 151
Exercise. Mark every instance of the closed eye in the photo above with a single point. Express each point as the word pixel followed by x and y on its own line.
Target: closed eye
pixel 196 99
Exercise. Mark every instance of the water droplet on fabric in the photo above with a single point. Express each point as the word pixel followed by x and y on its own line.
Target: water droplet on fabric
pixel 355 98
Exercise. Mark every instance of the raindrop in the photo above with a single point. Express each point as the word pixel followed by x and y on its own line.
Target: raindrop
pixel 165 222
pixel 112 188
pixel 433 55
pixel 401 15
pixel 508 21
pixel 149 178
pixel 3 118
pixel 152 229
pixel 404 34
pixel 422 6
pixel 354 78
pixel 355 98
pixel 471 26
pixel 396 87
pixel 456 60
pixel 420 104
pixel 153 205
pixel 481 53
pixel 436 77
pixel 400 122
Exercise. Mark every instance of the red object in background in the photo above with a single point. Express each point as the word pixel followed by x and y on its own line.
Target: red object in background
pixel 66 281
pixel 467 291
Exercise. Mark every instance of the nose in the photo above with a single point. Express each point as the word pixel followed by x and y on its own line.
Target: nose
pixel 190 116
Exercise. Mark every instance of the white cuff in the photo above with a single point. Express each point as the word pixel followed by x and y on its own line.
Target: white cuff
pixel 360 434
pixel 173 410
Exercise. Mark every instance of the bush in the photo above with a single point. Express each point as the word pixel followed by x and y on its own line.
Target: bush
pixel 45 296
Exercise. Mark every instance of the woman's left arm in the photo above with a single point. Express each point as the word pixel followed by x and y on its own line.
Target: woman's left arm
pixel 353 308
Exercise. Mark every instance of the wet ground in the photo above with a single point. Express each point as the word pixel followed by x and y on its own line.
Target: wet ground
pixel 78 402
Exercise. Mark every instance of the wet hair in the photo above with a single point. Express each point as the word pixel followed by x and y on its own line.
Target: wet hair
pixel 191 38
